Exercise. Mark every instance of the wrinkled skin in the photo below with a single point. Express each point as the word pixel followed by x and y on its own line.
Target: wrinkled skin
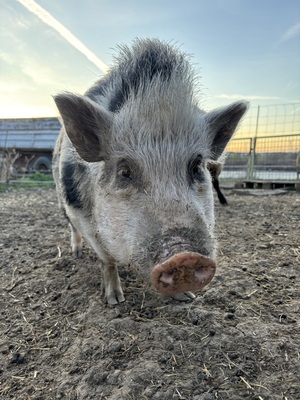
pixel 130 167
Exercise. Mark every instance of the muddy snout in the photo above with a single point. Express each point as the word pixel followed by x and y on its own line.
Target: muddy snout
pixel 183 272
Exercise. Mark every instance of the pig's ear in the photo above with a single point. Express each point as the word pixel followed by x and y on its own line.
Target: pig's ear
pixel 221 125
pixel 86 123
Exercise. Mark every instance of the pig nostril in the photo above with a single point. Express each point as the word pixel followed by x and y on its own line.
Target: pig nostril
pixel 201 274
pixel 167 277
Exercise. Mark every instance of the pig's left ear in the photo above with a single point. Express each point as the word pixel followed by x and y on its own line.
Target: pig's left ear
pixel 87 124
pixel 221 124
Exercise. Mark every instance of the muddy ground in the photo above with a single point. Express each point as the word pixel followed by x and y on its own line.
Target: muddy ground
pixel 240 339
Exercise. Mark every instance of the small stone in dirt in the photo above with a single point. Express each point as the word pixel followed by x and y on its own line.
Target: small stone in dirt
pixel 18 358
pixel 74 371
pixel 239 373
pixel 114 347
pixel 96 377
pixel 114 377
pixel 56 296
pixel 163 359
pixel 230 315
pixel 147 313
pixel 231 310
pixel 282 316
pixel 169 346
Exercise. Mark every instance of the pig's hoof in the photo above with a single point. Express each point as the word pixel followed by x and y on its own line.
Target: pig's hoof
pixel 77 253
pixel 115 297
pixel 186 296
pixel 77 249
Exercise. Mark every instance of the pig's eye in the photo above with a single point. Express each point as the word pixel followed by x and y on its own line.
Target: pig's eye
pixel 124 172
pixel 195 171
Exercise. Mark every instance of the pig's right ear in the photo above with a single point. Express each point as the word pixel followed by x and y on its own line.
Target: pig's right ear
pixel 86 123
pixel 222 123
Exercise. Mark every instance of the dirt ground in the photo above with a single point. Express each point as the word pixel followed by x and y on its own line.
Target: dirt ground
pixel 240 338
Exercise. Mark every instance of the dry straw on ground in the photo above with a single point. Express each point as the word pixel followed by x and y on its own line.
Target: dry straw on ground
pixel 239 339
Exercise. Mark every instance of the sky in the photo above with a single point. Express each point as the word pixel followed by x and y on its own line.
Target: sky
pixel 241 49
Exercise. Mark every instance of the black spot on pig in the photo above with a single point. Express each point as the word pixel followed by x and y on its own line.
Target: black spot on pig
pixel 149 64
pixel 100 88
pixel 72 174
pixel 120 96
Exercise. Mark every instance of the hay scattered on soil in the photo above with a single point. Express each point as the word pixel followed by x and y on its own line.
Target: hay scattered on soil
pixel 239 339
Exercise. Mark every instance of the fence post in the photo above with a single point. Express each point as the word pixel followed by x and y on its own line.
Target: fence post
pixel 257 121
pixel 251 160
pixel 251 163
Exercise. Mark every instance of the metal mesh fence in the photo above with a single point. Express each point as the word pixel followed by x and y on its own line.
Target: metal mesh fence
pixel 271 120
pixel 266 146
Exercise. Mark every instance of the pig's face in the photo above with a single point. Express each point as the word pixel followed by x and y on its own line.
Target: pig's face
pixel 153 202
pixel 149 208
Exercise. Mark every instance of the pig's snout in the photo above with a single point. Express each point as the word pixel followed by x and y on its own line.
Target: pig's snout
pixel 183 272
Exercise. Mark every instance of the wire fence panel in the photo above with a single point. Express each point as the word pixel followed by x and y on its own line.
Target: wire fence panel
pixel 266 158
pixel 271 120
pixel 266 146
pixel 237 160
pixel 275 158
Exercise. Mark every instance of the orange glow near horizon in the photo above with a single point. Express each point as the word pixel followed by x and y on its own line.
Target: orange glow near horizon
pixel 275 127
pixel 266 144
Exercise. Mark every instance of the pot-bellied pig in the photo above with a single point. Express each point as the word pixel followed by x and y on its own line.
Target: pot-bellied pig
pixel 130 167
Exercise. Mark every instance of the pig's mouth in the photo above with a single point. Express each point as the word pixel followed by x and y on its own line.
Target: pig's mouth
pixel 183 272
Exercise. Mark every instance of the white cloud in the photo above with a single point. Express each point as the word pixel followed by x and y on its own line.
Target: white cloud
pixel 6 57
pixel 291 32
pixel 40 74
pixel 25 68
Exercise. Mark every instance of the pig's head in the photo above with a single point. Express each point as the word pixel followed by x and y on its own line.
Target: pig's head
pixel 152 192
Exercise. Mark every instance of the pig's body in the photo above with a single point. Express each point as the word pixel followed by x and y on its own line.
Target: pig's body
pixel 131 175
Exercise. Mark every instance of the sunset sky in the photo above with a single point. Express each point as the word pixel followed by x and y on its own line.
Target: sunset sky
pixel 247 49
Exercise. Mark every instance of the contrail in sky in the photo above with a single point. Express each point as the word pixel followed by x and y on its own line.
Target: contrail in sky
pixel 64 32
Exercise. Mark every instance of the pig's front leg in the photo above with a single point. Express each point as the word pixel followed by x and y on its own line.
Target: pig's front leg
pixel 76 242
pixel 112 285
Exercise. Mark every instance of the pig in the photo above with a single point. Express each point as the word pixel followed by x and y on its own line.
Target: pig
pixel 130 167
pixel 215 169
